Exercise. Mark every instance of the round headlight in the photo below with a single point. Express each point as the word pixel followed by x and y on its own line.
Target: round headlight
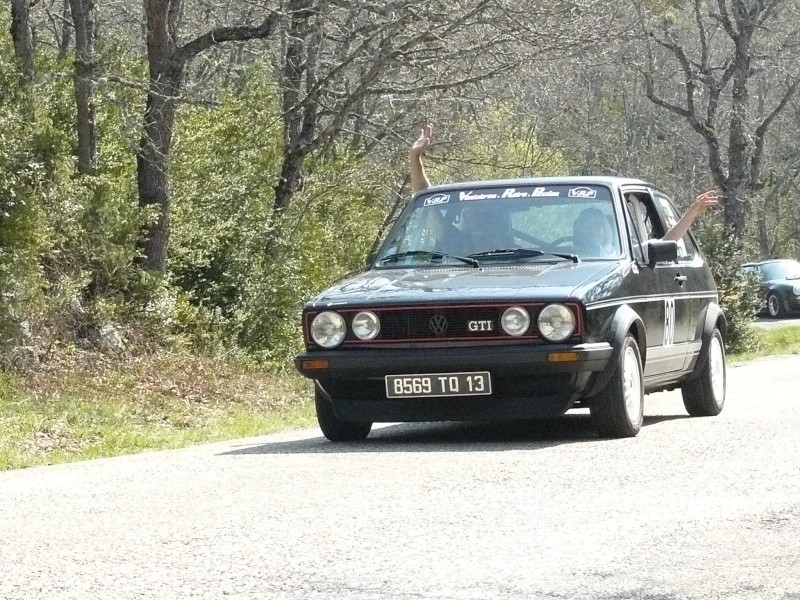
pixel 515 321
pixel 796 290
pixel 556 322
pixel 366 325
pixel 328 329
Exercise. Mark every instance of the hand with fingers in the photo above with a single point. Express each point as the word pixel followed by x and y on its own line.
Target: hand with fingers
pixel 706 200
pixel 419 180
pixel 424 141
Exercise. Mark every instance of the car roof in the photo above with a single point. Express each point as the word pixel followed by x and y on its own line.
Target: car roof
pixel 563 180
pixel 758 263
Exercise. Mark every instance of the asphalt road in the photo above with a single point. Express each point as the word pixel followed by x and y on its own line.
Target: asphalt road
pixel 691 508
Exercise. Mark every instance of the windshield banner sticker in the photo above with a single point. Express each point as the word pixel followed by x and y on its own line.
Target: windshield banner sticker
pixel 474 196
pixel 582 192
pixel 436 199
pixel 512 193
pixel 539 192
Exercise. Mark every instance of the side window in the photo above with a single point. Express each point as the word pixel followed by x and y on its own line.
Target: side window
pixel 645 214
pixel 686 246
pixel 635 227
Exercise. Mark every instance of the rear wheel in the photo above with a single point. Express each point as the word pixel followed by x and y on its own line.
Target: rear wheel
pixel 618 410
pixel 775 306
pixel 332 426
pixel 704 396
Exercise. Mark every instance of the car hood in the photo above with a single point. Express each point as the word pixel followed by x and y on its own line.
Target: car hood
pixel 539 281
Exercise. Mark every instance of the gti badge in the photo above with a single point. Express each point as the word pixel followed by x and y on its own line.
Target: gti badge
pixel 480 326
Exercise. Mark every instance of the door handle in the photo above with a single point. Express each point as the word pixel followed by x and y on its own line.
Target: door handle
pixel 681 279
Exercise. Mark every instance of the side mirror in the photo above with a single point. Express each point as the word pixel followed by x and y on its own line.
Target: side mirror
pixel 371 259
pixel 657 251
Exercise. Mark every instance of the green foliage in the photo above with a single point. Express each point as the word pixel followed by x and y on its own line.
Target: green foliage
pixel 242 274
pixel 738 292
pixel 67 243
pixel 326 234
pixel 502 144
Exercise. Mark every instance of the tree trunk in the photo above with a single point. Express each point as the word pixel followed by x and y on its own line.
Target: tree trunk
pixel 83 20
pixel 295 66
pixel 167 62
pixel 23 40
pixel 153 163
pixel 65 40
pixel 739 147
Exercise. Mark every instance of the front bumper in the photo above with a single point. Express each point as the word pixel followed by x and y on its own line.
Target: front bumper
pixel 526 383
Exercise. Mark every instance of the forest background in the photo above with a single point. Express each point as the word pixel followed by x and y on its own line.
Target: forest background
pixel 181 175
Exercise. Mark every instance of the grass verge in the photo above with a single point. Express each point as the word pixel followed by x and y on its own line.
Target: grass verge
pixel 85 406
pixel 772 342
pixel 89 406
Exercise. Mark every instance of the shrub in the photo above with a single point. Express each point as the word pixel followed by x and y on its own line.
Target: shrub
pixel 738 292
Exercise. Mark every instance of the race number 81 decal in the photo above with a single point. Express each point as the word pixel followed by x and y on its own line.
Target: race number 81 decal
pixel 669 321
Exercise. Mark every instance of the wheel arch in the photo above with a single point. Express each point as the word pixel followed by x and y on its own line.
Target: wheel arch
pixel 713 318
pixel 625 321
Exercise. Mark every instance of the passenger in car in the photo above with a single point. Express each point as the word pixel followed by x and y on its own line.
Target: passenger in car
pixel 484 229
pixel 591 235
pixel 420 181
pixel 446 236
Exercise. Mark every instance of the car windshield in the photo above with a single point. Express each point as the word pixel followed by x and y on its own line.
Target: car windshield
pixel 505 224
pixel 784 269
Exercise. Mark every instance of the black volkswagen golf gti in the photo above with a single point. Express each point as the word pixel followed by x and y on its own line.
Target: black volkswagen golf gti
pixel 519 299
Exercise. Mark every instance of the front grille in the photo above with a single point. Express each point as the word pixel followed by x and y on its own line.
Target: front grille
pixel 436 324
pixel 441 323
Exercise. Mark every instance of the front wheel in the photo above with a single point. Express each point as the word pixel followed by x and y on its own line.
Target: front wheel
pixel 332 426
pixel 704 396
pixel 618 410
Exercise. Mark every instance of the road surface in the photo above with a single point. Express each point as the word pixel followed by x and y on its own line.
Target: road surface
pixel 691 509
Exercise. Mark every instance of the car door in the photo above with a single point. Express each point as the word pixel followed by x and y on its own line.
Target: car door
pixel 668 311
pixel 695 286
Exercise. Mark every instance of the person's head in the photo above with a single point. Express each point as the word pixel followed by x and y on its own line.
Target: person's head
pixel 435 222
pixel 485 223
pixel 591 230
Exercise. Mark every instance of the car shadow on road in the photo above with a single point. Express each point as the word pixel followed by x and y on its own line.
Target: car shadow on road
pixel 452 437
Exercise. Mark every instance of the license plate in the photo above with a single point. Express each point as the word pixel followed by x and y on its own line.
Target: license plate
pixel 478 383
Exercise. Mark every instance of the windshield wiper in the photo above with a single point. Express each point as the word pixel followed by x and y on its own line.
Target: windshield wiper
pixel 430 254
pixel 521 253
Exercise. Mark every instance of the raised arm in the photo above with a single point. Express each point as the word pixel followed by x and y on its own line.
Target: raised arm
pixel 700 204
pixel 419 180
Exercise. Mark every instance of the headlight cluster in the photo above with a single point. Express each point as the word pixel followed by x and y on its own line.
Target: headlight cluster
pixel 556 323
pixel 328 328
pixel 515 321
pixel 796 290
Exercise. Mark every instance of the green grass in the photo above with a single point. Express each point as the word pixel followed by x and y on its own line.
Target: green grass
pixel 772 342
pixel 83 410
pixel 88 406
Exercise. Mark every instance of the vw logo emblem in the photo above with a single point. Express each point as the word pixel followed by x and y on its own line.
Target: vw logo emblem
pixel 438 324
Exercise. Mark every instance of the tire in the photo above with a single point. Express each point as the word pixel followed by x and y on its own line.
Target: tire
pixel 775 306
pixel 332 426
pixel 618 410
pixel 704 396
